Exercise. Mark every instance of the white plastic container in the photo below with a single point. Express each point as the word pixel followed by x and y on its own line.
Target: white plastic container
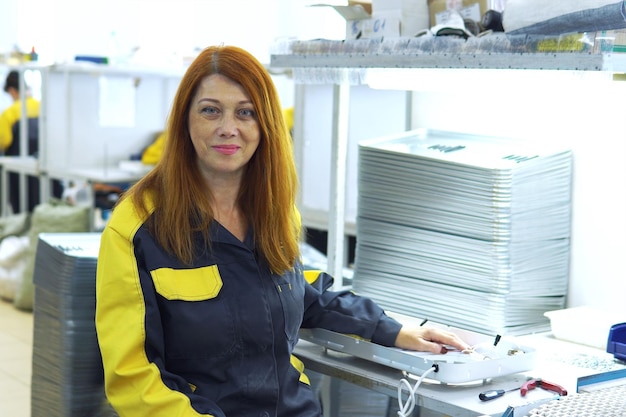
pixel 583 325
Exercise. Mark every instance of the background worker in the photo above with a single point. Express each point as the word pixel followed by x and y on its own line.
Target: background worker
pixel 10 142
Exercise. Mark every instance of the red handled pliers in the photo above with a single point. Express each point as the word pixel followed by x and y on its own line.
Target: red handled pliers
pixel 534 383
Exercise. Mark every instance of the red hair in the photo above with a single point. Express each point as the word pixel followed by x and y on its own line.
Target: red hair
pixel 267 196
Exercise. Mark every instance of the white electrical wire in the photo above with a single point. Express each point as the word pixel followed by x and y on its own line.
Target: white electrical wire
pixel 406 409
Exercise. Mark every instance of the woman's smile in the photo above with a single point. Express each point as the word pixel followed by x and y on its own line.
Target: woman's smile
pixel 226 149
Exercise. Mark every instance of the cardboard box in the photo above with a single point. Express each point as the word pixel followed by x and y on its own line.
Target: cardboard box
pixel 362 25
pixel 384 18
pixel 413 14
pixel 366 4
pixel 439 10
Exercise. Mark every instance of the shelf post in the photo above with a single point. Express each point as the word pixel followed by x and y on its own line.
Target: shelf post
pixel 338 172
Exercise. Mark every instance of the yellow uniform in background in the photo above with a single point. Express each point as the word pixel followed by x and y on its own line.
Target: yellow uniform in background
pixel 153 152
pixel 12 115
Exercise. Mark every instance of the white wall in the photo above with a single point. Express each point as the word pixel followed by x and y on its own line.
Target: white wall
pixel 61 29
pixel 161 32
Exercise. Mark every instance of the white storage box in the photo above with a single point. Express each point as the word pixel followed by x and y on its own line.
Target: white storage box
pixel 584 325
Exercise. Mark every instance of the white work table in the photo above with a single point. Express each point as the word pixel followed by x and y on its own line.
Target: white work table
pixel 111 174
pixel 30 166
pixel 91 176
pixel 559 362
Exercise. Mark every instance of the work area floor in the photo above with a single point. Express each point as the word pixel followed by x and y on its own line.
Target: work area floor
pixel 16 341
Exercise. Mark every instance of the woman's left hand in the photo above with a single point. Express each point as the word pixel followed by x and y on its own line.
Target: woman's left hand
pixel 428 339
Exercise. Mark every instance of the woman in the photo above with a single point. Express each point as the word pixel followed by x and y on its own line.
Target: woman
pixel 200 291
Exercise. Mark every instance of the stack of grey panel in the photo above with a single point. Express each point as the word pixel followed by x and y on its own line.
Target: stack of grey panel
pixel 67 377
pixel 464 230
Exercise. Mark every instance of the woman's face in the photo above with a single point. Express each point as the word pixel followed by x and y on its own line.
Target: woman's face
pixel 223 126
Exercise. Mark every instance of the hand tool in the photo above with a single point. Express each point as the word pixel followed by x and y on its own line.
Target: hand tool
pixel 549 386
pixel 526 386
pixel 494 393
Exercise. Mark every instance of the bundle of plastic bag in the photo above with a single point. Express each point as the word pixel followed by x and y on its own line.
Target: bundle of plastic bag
pixel 13 258
pixel 551 18
pixel 53 217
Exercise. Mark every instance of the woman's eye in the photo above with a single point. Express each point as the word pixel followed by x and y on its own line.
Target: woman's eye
pixel 247 113
pixel 210 110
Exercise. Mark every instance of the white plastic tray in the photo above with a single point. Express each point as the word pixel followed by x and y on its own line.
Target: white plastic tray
pixel 455 367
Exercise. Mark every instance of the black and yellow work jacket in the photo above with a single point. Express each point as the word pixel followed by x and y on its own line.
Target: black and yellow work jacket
pixel 215 338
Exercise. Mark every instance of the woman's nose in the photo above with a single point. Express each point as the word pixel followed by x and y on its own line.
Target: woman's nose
pixel 228 126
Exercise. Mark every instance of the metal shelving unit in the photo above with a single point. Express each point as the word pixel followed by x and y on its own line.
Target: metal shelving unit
pixel 575 61
pixel 343 63
pixel 589 53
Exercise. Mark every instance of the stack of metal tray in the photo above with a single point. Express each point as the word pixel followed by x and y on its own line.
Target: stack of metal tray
pixel 67 377
pixel 466 230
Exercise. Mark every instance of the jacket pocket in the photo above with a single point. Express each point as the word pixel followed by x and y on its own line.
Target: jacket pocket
pixel 291 293
pixel 195 284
